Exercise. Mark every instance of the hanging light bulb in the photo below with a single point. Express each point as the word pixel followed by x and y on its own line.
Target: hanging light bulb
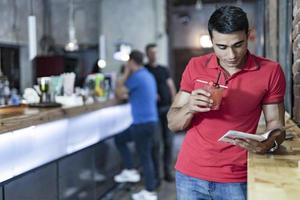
pixel 32 36
pixel 101 63
pixel 32 41
pixel 72 45
pixel 122 52
pixel 205 41
pixel 102 54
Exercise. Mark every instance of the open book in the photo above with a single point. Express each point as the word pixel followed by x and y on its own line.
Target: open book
pixel 230 135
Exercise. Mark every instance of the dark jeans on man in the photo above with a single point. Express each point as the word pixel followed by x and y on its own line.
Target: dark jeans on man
pixel 163 142
pixel 143 137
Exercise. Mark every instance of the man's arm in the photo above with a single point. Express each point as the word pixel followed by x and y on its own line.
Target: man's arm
pixel 184 106
pixel 121 91
pixel 172 88
pixel 274 117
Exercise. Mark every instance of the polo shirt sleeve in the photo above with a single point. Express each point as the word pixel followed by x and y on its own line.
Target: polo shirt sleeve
pixel 131 82
pixel 186 83
pixel 276 87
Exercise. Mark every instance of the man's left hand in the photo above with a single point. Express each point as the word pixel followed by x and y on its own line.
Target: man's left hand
pixel 258 147
pixel 255 146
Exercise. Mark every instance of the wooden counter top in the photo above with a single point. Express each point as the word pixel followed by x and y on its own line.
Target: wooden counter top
pixel 276 176
pixel 21 117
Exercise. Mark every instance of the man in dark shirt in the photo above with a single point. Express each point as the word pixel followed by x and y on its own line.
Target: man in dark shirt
pixel 166 93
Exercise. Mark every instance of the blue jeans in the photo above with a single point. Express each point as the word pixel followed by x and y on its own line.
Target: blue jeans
pixel 189 188
pixel 143 137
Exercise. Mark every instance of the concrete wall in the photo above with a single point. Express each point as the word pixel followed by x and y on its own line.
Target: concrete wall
pixel 14 13
pixel 136 22
pixel 86 21
pixel 13 19
pixel 14 31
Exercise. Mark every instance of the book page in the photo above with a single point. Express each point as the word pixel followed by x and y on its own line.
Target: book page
pixel 232 134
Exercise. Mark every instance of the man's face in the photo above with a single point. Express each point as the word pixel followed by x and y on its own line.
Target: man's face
pixel 230 48
pixel 151 54
pixel 129 64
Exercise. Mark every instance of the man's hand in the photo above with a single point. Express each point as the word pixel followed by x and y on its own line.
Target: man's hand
pixel 258 147
pixel 199 101
pixel 185 105
pixel 121 93
pixel 274 117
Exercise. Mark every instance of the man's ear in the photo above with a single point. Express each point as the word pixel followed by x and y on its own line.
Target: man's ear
pixel 249 33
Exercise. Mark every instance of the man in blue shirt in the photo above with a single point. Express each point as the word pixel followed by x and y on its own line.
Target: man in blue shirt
pixel 139 87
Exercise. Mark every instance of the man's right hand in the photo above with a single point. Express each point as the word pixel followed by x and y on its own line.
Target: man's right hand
pixel 199 101
pixel 185 105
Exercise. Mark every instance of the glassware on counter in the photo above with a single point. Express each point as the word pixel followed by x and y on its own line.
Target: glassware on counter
pixel 43 83
pixel 100 86
pixel 68 83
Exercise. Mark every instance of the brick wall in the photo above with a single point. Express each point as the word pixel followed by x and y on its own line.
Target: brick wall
pixel 296 60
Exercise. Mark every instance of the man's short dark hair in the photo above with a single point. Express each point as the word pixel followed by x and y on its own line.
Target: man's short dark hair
pixel 137 57
pixel 228 19
pixel 149 46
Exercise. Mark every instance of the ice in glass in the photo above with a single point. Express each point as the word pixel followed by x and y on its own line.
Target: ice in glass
pixel 216 94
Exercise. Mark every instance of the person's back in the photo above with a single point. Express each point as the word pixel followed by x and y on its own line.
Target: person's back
pixel 165 86
pixel 142 96
pixel 161 75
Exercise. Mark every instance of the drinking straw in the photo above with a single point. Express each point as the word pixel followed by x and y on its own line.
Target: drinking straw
pixel 219 75
pixel 206 82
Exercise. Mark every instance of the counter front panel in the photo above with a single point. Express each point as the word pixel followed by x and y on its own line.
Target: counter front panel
pixel 31 147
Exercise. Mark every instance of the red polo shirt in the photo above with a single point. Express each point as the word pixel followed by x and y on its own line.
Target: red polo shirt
pixel 261 81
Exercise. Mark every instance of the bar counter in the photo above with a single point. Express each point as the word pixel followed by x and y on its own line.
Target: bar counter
pixel 46 140
pixel 13 118
pixel 32 137
pixel 276 176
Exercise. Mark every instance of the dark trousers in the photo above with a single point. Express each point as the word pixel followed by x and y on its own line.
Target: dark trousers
pixel 163 145
pixel 143 137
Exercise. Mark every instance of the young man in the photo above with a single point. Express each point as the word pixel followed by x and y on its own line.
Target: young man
pixel 138 85
pixel 166 93
pixel 207 168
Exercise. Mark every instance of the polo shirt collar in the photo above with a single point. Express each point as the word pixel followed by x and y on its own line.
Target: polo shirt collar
pixel 250 64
